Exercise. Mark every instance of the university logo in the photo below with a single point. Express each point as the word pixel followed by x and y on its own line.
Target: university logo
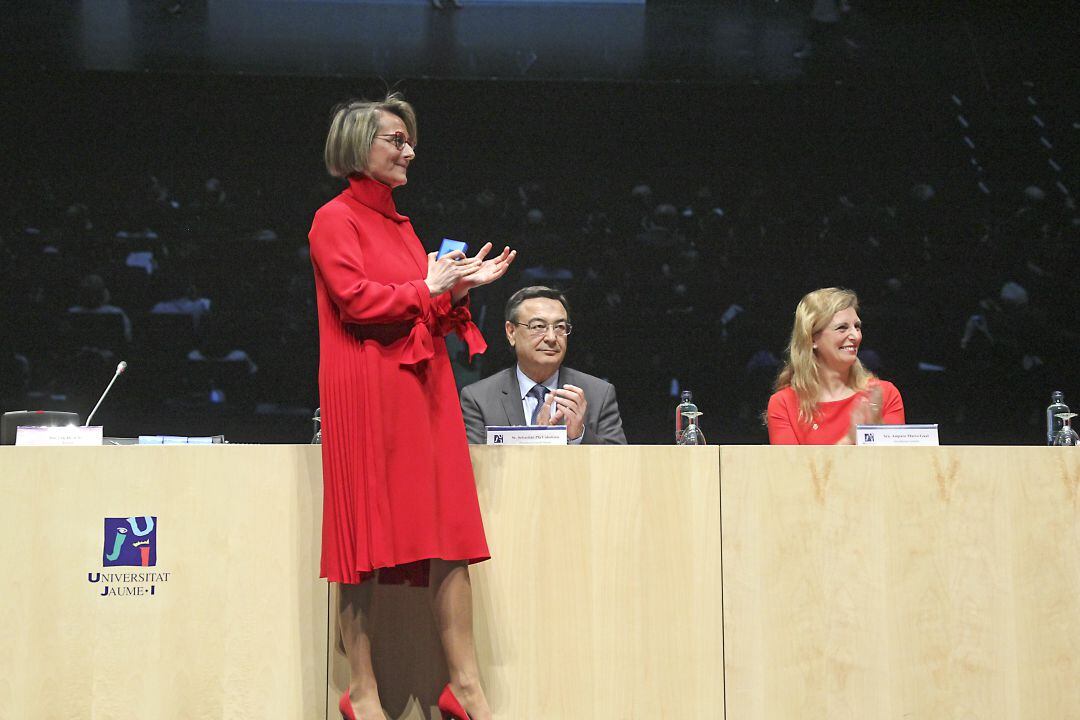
pixel 497 440
pixel 868 437
pixel 130 541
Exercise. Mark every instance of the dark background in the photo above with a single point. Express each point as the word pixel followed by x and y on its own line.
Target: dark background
pixel 771 172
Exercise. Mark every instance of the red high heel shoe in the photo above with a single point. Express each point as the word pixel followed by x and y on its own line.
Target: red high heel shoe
pixel 345 706
pixel 450 707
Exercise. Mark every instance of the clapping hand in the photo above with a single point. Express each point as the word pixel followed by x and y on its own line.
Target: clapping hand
pixel 448 271
pixel 867 411
pixel 488 271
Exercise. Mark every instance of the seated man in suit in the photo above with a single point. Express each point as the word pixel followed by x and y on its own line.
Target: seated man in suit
pixel 537 326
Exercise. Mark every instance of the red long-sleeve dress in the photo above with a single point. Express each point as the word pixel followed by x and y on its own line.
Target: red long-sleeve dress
pixel 398 484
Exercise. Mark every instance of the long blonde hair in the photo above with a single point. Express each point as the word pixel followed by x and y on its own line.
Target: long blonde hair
pixel 800 371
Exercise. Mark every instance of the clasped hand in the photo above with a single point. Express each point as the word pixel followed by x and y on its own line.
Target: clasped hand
pixel 569 410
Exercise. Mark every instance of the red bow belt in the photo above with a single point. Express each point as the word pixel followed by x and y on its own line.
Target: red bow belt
pixel 420 347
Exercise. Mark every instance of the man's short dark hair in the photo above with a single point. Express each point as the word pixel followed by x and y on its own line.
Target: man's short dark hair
pixel 534 291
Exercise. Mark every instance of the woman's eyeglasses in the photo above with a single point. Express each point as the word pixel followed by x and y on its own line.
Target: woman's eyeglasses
pixel 398 138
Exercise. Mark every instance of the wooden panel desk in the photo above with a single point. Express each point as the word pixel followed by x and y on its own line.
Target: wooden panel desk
pixel 855 583
pixel 931 583
pixel 229 623
pixel 605 599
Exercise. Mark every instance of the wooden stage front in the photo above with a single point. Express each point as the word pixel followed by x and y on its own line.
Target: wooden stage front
pixel 627 582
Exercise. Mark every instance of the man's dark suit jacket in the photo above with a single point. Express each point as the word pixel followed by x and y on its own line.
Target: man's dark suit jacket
pixel 497 401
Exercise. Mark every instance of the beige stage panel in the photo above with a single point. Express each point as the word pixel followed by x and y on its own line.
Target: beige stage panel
pixel 898 583
pixel 229 623
pixel 602 599
pixel 856 583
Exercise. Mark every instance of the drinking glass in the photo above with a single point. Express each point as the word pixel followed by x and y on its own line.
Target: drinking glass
pixel 692 435
pixel 1066 435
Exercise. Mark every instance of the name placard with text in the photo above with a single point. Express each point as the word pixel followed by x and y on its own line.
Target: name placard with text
pixel 914 435
pixel 526 434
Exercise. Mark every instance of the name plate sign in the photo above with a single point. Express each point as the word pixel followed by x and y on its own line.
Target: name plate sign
pixel 178 440
pixel 60 435
pixel 916 435
pixel 526 434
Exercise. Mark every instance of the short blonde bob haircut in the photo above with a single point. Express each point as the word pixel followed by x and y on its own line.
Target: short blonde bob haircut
pixel 801 371
pixel 353 127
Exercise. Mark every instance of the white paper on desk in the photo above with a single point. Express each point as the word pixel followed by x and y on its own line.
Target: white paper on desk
pixel 892 435
pixel 70 435
pixel 526 434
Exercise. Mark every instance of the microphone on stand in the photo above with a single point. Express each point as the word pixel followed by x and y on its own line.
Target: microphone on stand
pixel 120 368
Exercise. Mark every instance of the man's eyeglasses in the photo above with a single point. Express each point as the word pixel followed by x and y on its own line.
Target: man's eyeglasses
pixel 539 327
pixel 399 139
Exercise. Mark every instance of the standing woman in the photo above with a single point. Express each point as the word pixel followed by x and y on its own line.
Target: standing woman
pixel 397 480
pixel 823 391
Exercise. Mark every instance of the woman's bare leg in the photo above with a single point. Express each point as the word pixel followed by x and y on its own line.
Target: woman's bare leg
pixel 451 600
pixel 354 612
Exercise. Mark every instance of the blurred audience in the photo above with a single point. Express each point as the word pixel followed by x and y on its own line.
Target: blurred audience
pixel 684 283
pixel 94 299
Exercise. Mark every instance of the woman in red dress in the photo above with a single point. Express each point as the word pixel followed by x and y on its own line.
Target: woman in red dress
pixel 823 391
pixel 398 483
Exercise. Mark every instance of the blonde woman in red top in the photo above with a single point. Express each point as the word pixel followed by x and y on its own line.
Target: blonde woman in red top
pixel 823 391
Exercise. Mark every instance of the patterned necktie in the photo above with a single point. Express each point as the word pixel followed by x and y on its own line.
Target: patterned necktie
pixel 539 392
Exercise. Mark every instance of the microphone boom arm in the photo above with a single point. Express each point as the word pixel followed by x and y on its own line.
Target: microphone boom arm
pixel 120 368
